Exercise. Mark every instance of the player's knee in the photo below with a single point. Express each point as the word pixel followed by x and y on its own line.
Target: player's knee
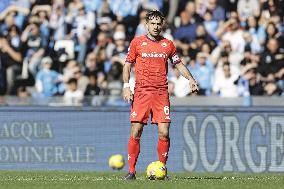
pixel 136 132
pixel 164 134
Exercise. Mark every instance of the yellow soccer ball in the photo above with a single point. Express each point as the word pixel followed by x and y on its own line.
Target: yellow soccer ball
pixel 116 162
pixel 156 170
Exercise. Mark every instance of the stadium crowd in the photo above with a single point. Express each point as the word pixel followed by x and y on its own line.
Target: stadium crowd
pixel 76 48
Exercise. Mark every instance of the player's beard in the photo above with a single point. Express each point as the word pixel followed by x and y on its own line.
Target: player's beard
pixel 155 34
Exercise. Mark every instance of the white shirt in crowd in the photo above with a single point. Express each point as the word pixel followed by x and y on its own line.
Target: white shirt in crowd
pixel 226 87
pixel 236 40
pixel 181 88
pixel 73 98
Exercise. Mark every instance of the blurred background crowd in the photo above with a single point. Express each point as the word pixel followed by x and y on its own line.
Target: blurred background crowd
pixel 77 48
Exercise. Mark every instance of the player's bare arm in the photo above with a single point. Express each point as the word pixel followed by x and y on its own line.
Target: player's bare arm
pixel 127 94
pixel 186 73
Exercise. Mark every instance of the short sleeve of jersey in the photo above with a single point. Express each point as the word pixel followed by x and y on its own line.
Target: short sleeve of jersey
pixel 173 56
pixel 131 55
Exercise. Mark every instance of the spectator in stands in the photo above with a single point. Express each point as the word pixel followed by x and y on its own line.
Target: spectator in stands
pixel 270 87
pixel 85 22
pixel 73 96
pixel 231 32
pixel 246 83
pixel 42 13
pixel 10 57
pixel 120 48
pixel 105 11
pixel 35 46
pixel 92 68
pixel 247 57
pixel 82 24
pixel 91 64
pixel 180 84
pixel 202 37
pixel 217 11
pixel 141 28
pixel 251 42
pixel 105 27
pixel 57 22
pixel 14 70
pixel 82 80
pixel 185 33
pixel 92 88
pixel 272 59
pixel 190 9
pixel 119 28
pixel 152 4
pixel 125 11
pixel 103 51
pixel 22 92
pixel 74 7
pixel 255 85
pixel 210 24
pixel 248 8
pixel 256 29
pixel 271 31
pixel 114 79
pixel 14 15
pixel 226 87
pixel 8 22
pixel 204 74
pixel 68 69
pixel 207 49
pixel 273 7
pixel 224 54
pixel 124 8
pixel 93 5
pixel 48 82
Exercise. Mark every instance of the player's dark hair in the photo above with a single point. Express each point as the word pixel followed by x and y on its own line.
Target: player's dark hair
pixel 154 14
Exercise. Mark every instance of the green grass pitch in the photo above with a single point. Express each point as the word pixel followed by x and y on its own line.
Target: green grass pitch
pixel 108 180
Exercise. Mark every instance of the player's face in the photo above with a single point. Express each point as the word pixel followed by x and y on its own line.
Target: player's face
pixel 154 26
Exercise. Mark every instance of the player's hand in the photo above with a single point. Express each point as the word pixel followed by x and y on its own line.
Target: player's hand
pixel 127 94
pixel 193 86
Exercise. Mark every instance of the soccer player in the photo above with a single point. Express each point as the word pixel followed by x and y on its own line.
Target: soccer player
pixel 150 54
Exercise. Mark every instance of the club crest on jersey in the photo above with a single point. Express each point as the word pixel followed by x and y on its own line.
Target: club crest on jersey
pixel 144 43
pixel 164 44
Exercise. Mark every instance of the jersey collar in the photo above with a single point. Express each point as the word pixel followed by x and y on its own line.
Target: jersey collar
pixel 160 38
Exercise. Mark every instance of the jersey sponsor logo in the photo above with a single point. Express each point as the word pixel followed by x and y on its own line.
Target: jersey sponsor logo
pixel 134 114
pixel 164 44
pixel 144 43
pixel 167 117
pixel 154 55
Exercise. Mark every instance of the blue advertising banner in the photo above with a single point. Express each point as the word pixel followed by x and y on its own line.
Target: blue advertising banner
pixel 211 139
